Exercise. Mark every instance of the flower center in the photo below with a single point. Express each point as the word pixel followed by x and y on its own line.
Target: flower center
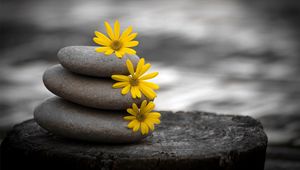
pixel 140 117
pixel 133 81
pixel 116 45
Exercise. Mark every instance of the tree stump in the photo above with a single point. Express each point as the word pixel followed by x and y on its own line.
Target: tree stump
pixel 184 140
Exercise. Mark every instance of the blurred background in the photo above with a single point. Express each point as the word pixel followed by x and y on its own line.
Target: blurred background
pixel 230 57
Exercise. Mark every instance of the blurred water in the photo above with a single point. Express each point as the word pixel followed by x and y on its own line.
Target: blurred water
pixel 230 57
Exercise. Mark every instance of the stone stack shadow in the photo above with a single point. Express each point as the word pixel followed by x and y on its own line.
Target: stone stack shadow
pixel 87 107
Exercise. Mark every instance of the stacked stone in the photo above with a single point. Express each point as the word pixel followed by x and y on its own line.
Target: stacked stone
pixel 88 108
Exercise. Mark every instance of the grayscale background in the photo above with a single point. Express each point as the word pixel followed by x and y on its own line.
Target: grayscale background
pixel 225 56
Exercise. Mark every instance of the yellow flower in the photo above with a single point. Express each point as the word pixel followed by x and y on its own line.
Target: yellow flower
pixel 115 42
pixel 142 118
pixel 136 82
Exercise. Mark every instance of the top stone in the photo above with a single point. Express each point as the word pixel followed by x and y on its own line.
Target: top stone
pixel 85 60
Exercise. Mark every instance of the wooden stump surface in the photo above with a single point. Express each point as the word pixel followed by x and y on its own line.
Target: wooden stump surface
pixel 184 140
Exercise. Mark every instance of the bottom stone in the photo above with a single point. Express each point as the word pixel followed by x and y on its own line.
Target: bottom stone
pixel 79 122
pixel 184 140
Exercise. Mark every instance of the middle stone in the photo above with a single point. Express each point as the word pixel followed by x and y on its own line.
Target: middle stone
pixel 87 91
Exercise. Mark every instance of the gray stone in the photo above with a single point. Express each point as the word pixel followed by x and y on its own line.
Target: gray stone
pixel 85 60
pixel 183 140
pixel 74 121
pixel 88 91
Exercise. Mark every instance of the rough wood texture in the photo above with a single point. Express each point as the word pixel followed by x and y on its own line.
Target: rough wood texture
pixel 192 140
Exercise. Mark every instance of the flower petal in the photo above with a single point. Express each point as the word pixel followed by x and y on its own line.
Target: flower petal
pixel 133 123
pixel 118 54
pixel 122 52
pixel 130 37
pixel 120 84
pixel 131 111
pixel 129 117
pixel 145 68
pixel 131 44
pixel 117 29
pixel 130 67
pixel 102 37
pixel 136 127
pixel 138 92
pixel 154 120
pixel 144 128
pixel 129 50
pixel 135 108
pixel 109 30
pixel 109 52
pixel 102 49
pixel 154 115
pixel 125 90
pixel 148 92
pixel 149 76
pixel 149 124
pixel 126 33
pixel 120 78
pixel 139 67
pixel 133 92
pixel 150 106
pixel 101 41
pixel 150 85
pixel 143 105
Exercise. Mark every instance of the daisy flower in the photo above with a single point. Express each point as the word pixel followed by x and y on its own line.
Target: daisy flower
pixel 115 42
pixel 142 118
pixel 136 82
